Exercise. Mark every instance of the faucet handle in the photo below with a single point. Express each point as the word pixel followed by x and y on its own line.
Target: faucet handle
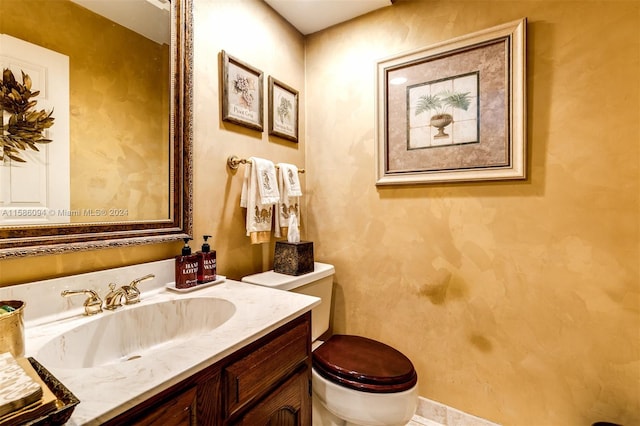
pixel 93 304
pixel 132 292
pixel 137 281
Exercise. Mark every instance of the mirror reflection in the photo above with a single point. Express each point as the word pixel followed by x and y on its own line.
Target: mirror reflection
pixel 106 81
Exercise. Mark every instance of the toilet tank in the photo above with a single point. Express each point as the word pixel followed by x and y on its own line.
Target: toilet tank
pixel 318 283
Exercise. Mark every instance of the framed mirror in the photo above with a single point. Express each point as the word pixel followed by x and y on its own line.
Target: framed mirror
pixel 118 169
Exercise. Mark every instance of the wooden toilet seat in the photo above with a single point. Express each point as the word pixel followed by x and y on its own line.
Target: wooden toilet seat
pixel 364 364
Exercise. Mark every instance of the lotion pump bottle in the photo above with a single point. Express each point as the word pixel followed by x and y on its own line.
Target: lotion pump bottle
pixel 186 267
pixel 206 263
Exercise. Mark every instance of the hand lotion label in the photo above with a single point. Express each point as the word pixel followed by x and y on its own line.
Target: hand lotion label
pixel 186 271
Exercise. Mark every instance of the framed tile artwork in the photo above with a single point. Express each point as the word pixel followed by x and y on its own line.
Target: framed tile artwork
pixel 454 111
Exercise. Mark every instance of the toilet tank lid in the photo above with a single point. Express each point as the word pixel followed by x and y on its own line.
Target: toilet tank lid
pixel 289 282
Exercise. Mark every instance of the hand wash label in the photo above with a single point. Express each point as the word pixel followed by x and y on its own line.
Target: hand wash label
pixel 206 263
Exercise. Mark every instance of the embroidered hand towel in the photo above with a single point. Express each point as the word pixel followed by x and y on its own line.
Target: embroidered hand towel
pixel 291 179
pixel 266 174
pixel 289 202
pixel 259 214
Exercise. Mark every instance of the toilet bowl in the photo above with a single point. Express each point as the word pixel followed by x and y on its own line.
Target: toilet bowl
pixel 355 380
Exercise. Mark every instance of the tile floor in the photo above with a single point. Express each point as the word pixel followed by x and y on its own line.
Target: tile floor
pixel 421 421
pixel 432 413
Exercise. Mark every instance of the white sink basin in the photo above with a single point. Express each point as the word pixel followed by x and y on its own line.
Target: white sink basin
pixel 132 332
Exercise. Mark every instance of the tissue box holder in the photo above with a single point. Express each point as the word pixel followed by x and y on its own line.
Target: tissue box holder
pixel 293 258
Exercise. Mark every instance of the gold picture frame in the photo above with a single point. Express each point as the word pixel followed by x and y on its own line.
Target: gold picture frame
pixel 454 111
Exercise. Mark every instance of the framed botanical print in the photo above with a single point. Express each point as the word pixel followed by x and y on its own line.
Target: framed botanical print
pixel 283 110
pixel 242 93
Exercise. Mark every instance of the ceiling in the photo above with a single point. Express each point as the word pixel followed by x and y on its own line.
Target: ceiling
pixel 141 16
pixel 307 16
pixel 310 16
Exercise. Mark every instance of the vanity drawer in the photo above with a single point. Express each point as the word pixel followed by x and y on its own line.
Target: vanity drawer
pixel 270 363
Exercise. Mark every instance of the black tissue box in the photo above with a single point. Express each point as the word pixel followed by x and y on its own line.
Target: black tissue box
pixel 293 258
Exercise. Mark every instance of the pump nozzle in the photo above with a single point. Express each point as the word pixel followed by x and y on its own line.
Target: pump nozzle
pixel 186 250
pixel 205 246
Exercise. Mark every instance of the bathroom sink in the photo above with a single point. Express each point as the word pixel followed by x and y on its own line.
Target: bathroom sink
pixel 134 331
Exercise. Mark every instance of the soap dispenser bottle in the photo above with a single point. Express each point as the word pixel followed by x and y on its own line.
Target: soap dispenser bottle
pixel 186 267
pixel 206 263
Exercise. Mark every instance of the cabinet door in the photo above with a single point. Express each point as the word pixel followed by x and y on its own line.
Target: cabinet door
pixel 248 378
pixel 177 411
pixel 288 405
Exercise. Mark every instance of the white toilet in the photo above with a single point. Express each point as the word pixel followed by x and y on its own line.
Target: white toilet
pixel 356 381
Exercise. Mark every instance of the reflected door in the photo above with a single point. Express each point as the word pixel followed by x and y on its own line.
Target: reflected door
pixel 38 191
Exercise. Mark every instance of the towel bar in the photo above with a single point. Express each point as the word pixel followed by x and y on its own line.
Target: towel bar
pixel 233 162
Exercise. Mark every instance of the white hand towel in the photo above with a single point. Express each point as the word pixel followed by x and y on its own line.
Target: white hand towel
pixel 291 179
pixel 268 184
pixel 289 202
pixel 259 213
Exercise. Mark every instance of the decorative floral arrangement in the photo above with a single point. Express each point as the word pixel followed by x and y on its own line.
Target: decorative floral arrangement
pixel 25 126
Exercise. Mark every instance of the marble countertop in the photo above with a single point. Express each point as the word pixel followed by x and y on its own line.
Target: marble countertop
pixel 109 390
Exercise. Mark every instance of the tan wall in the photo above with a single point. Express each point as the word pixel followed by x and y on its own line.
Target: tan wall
pixel 249 31
pixel 517 301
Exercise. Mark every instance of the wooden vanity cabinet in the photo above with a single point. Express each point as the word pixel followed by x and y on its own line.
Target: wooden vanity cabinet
pixel 290 405
pixel 268 382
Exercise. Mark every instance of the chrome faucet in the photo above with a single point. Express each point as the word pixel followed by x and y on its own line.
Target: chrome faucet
pixel 132 292
pixel 113 299
pixel 93 304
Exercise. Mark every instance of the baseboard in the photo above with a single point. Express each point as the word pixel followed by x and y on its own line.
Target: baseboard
pixel 445 415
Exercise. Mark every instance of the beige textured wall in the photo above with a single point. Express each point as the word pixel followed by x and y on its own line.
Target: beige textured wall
pixel 517 301
pixel 250 31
